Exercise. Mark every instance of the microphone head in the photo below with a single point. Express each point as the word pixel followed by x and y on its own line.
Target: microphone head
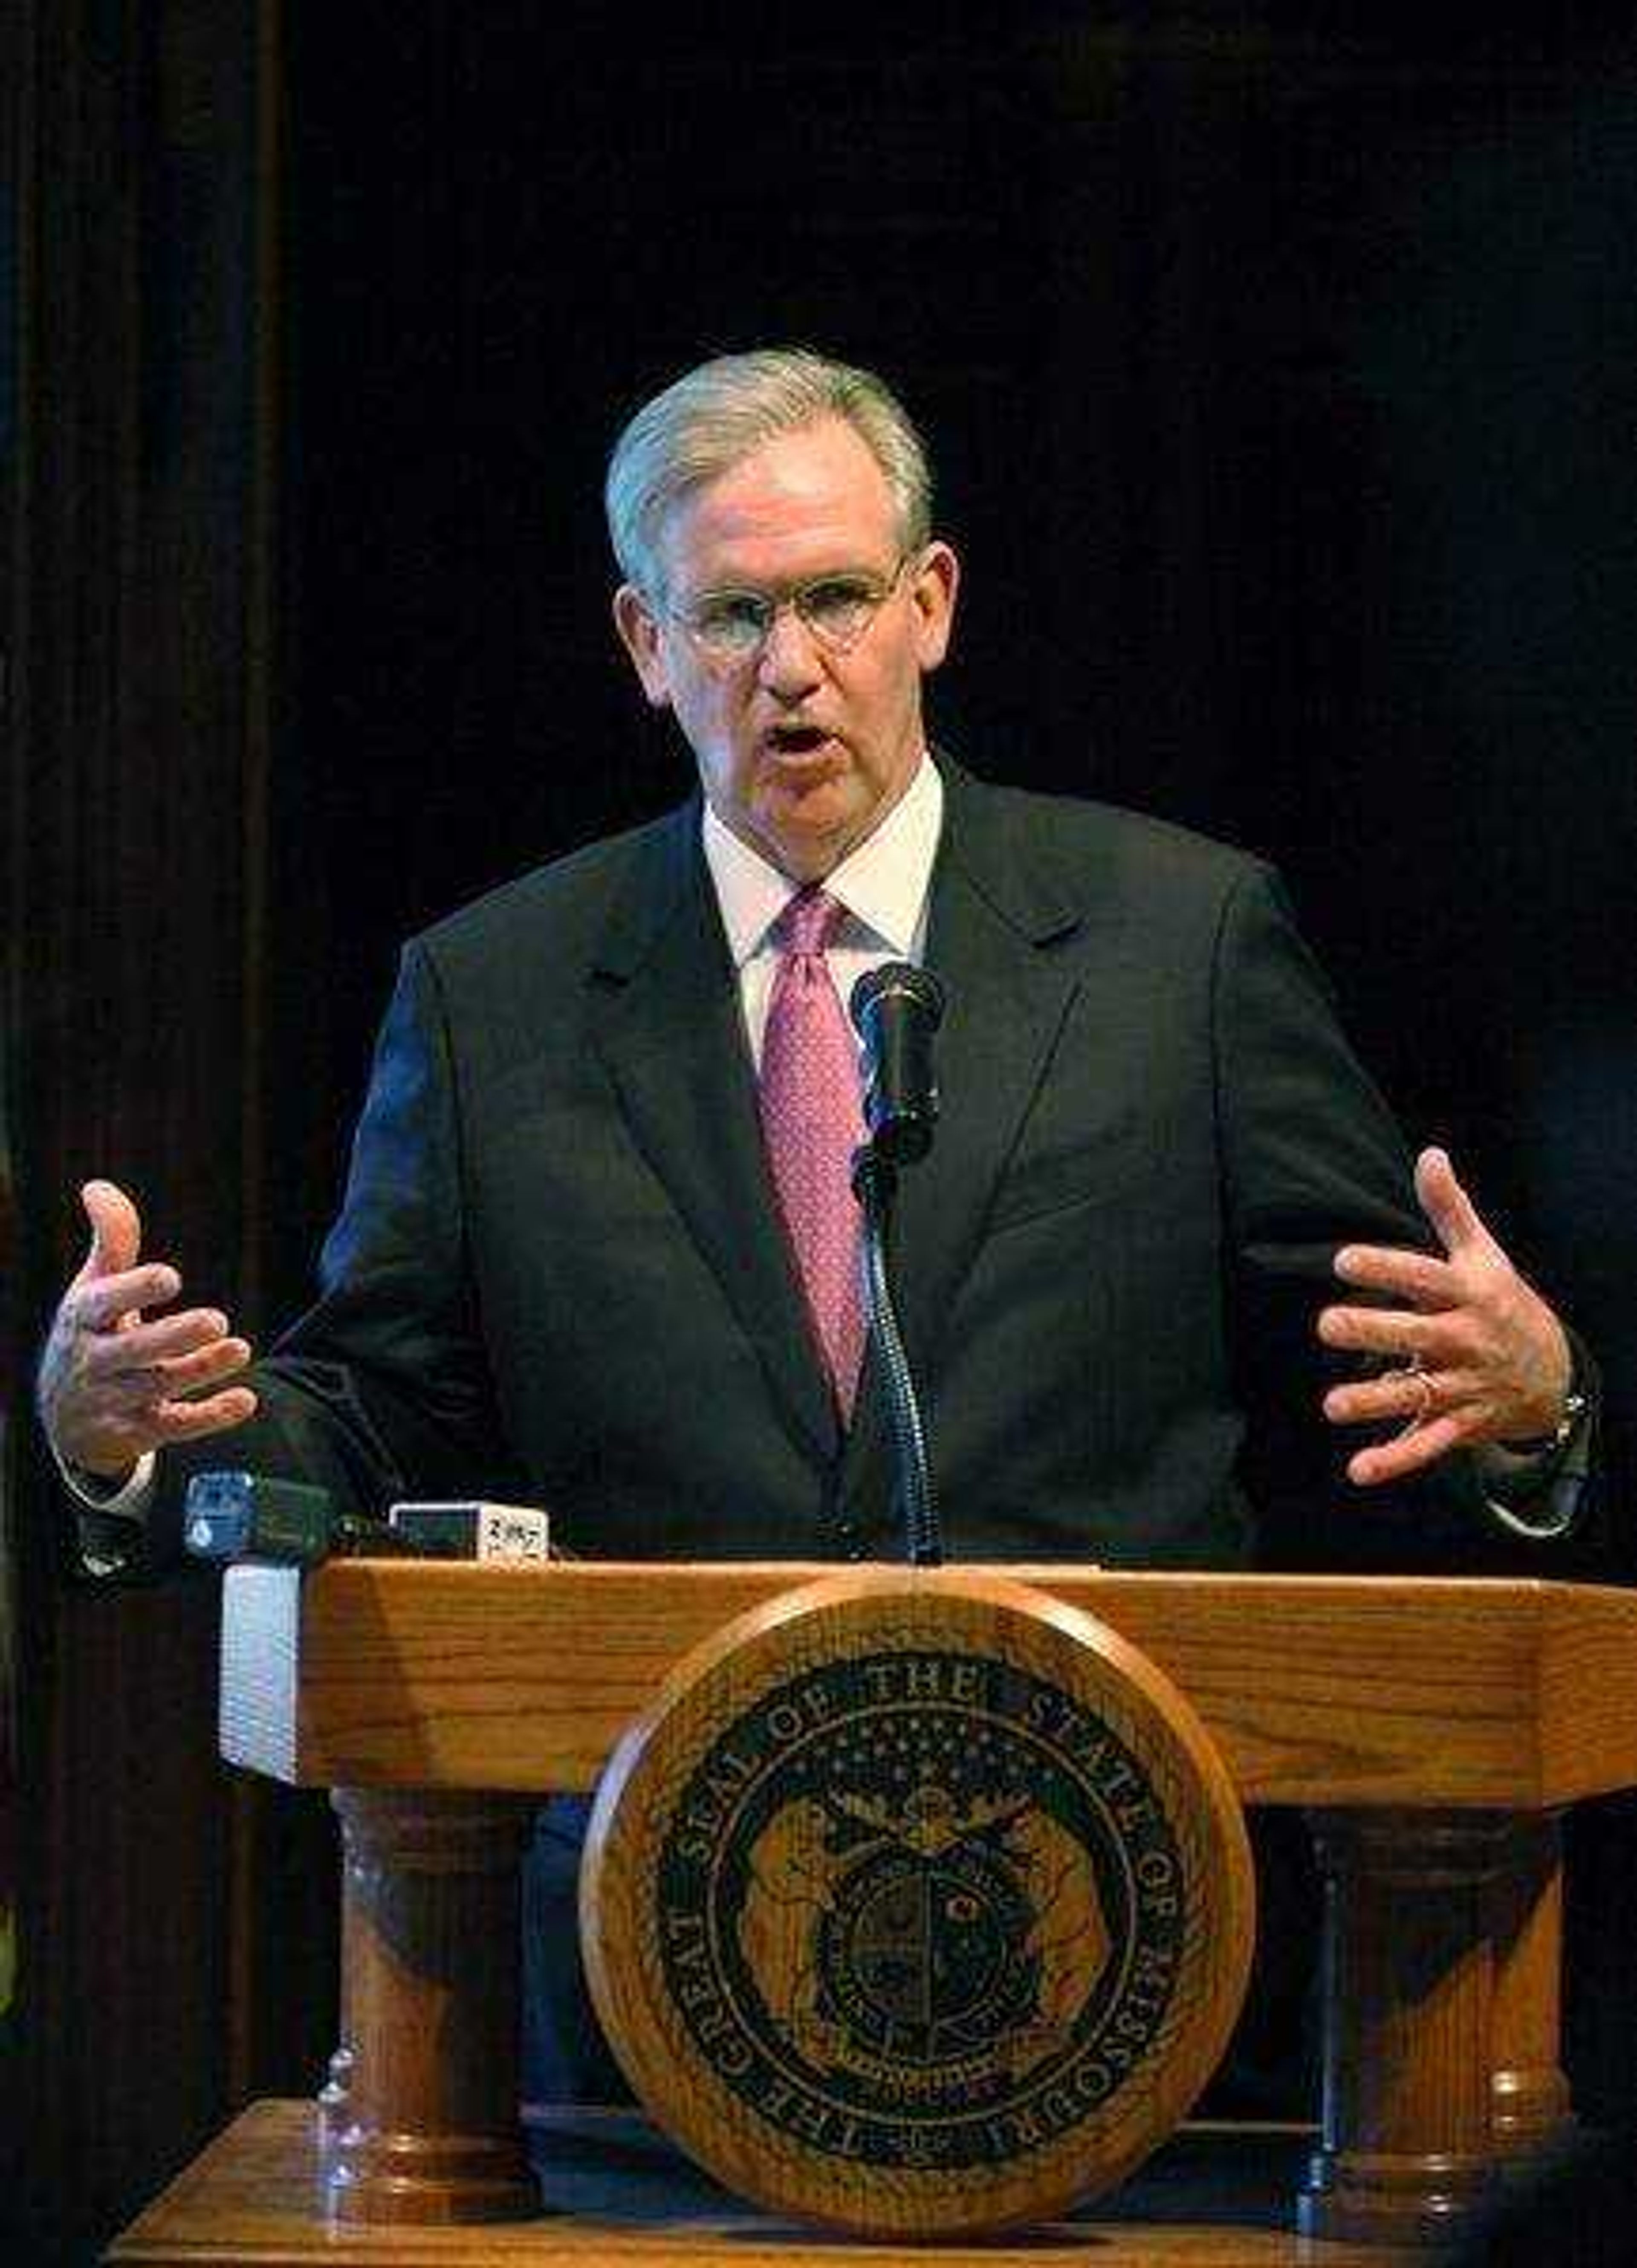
pixel 917 988
pixel 896 1009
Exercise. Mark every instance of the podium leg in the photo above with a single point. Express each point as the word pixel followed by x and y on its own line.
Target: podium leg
pixel 1529 2092
pixel 1408 2155
pixel 419 2121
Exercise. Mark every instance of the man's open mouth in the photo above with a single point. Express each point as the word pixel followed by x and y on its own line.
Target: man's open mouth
pixel 796 739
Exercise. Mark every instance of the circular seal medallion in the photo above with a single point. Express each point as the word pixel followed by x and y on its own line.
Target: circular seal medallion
pixel 918 1902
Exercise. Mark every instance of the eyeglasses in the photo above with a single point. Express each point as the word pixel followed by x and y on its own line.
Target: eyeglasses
pixel 730 626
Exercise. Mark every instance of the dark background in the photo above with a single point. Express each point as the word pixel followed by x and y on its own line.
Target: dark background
pixel 1280 367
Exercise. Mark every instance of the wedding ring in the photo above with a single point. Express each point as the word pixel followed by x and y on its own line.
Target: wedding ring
pixel 1414 1370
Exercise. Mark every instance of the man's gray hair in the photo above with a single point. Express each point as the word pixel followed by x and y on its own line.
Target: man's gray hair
pixel 716 414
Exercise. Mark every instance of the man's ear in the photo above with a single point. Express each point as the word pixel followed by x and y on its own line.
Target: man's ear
pixel 933 595
pixel 639 635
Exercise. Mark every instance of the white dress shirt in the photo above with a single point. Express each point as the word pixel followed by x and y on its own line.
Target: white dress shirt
pixel 883 885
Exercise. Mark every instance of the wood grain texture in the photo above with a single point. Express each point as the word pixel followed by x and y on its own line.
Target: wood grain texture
pixel 252 2200
pixel 420 2118
pixel 1366 1698
pixel 1351 1690
pixel 800 2099
pixel 1408 2154
pixel 1530 2090
pixel 1587 1673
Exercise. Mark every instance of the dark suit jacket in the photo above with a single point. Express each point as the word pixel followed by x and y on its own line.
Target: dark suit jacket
pixel 558 1275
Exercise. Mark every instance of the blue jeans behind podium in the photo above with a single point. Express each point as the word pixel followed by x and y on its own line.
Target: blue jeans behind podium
pixel 565 2056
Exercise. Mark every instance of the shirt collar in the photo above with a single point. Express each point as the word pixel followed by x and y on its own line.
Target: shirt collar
pixel 882 883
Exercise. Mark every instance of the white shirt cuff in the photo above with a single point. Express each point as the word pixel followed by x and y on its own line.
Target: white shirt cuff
pixel 125 1500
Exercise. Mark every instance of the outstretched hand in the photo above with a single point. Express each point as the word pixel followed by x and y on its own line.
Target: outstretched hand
pixel 1476 1354
pixel 113 1383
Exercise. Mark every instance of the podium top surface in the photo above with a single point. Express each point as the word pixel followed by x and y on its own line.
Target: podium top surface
pixel 1341 1690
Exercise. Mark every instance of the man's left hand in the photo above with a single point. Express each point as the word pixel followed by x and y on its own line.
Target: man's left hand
pixel 1475 1353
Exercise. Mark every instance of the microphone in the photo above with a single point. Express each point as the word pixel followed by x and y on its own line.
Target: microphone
pixel 896 1009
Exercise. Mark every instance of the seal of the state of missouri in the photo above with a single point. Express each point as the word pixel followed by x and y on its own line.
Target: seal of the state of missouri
pixel 931 1897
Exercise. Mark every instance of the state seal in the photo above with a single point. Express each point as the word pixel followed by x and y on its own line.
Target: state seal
pixel 919 1903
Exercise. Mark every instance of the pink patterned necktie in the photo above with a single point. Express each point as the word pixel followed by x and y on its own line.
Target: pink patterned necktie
pixel 813 1119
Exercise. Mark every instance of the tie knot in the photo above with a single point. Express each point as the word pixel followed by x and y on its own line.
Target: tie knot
pixel 809 922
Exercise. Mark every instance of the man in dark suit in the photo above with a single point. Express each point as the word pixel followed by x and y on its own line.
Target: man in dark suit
pixel 564 1269
pixel 571 1269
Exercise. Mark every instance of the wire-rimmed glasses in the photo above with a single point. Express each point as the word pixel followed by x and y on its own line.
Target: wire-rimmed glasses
pixel 731 627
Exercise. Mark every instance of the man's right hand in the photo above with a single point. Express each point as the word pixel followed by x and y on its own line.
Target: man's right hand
pixel 114 1385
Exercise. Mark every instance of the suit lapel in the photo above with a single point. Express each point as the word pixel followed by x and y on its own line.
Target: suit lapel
pixel 994 919
pixel 672 1036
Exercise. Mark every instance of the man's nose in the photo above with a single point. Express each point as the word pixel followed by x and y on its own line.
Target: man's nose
pixel 790 661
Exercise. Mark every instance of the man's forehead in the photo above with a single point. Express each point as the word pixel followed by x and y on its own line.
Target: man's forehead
pixel 818 484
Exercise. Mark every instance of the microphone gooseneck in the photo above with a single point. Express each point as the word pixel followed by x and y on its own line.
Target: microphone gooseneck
pixel 897 1010
pixel 875 1181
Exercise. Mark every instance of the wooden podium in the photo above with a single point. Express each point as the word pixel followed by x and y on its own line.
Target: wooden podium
pixel 1432 1730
